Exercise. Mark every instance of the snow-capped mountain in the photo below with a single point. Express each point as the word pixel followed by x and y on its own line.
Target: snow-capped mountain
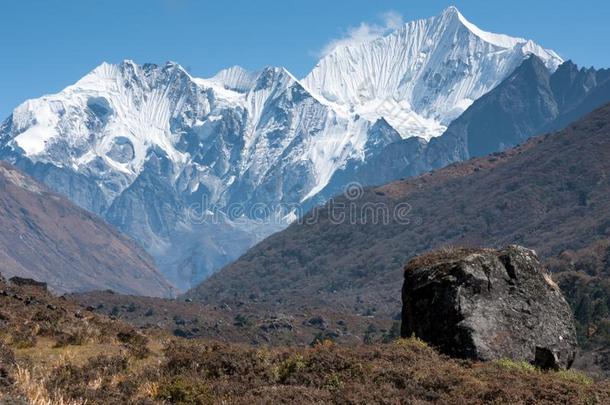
pixel 141 145
pixel 197 170
pixel 423 75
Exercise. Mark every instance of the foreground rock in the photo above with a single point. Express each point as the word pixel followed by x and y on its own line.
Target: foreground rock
pixel 488 304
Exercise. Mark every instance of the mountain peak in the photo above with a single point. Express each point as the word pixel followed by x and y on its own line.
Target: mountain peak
pixel 235 78
pixel 275 73
pixel 241 80
pixel 534 61
pixel 128 63
pixel 451 11
pixel 436 72
pixel 170 64
pixel 532 69
pixel 500 40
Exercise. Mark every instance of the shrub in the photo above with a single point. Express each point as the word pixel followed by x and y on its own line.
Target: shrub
pixel 242 321
pixel 135 342
pixel 184 391
pixel 180 357
pixel 290 366
pixel 66 339
pixel 445 253
pixel 323 337
pixel 7 356
pixel 75 336
pixel 23 338
pixel 412 341
pixel 333 382
pixel 106 365
pixel 523 366
pixel 392 334
pixel 574 376
pixel 7 359
pixel 369 334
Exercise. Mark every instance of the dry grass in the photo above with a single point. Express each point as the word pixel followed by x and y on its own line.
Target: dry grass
pixel 117 365
pixel 442 254
pixel 202 372
pixel 32 385
pixel 199 372
pixel 46 354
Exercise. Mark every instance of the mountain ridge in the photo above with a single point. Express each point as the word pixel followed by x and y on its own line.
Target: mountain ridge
pixel 237 140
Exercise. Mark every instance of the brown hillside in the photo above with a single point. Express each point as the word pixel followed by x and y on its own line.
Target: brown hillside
pixel 46 237
pixel 550 194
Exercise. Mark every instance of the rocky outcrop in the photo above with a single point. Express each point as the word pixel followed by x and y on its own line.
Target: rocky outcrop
pixel 21 281
pixel 488 304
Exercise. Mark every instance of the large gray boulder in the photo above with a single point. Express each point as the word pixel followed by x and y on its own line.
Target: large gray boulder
pixel 488 304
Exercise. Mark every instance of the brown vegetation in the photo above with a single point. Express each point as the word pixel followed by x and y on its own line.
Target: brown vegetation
pixel 204 372
pixel 442 254
pixel 404 371
pixel 106 361
pixel 249 323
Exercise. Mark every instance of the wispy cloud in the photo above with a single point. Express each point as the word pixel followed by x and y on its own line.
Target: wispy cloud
pixel 364 32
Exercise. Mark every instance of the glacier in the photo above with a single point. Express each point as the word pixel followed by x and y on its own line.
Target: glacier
pixel 423 75
pixel 146 145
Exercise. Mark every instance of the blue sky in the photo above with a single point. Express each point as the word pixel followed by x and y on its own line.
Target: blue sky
pixel 47 44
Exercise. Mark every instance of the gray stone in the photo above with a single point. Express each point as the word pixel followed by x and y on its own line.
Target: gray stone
pixel 488 304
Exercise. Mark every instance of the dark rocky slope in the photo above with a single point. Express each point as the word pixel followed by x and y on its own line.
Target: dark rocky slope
pixel 531 101
pixel 550 194
pixel 46 237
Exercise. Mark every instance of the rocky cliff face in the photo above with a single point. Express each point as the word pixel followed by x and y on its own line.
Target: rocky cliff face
pixel 488 304
pixel 424 74
pixel 531 101
pixel 143 144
